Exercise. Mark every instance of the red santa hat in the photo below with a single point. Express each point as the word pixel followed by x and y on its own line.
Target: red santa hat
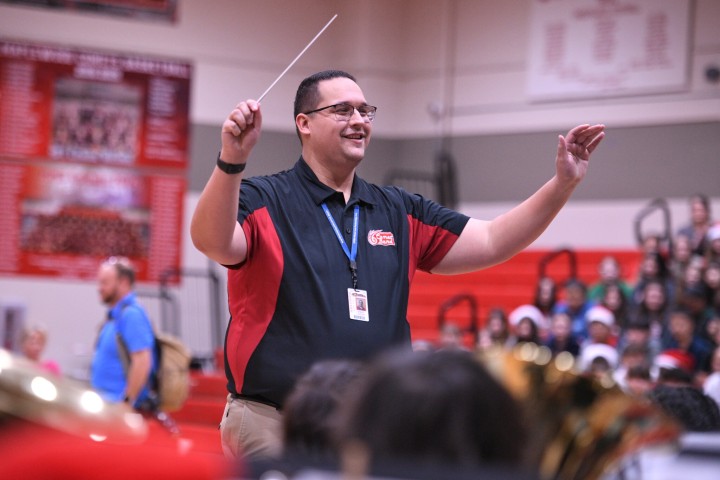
pixel 675 359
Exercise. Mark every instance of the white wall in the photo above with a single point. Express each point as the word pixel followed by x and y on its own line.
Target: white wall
pixel 596 224
pixel 398 48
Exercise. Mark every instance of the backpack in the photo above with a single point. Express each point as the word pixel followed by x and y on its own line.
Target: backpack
pixel 170 382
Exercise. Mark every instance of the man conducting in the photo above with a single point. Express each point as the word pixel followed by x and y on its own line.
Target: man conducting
pixel 307 248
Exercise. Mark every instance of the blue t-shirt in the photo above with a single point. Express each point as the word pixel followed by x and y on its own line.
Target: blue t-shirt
pixel 108 376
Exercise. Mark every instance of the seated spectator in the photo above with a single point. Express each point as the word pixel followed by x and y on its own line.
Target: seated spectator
pixel 576 304
pixel 711 278
pixel 33 343
pixel 711 385
pixel 653 242
pixel 653 267
pixel 711 329
pixel 600 368
pixel 638 381
pixel 496 333
pixel 694 301
pixel 600 322
pixel 439 408
pixel 712 248
pixel 528 324
pixel 682 336
pixel 422 345
pixel 700 222
pixel 692 283
pixel 546 296
pixel 601 327
pixel 680 257
pixel 617 302
pixel 653 310
pixel 610 273
pixel 637 334
pixel 673 366
pixel 634 356
pixel 451 337
pixel 598 359
pixel 561 338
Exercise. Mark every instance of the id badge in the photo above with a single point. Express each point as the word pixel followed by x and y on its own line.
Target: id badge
pixel 358 303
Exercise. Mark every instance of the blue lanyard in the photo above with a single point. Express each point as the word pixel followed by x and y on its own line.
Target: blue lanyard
pixel 351 253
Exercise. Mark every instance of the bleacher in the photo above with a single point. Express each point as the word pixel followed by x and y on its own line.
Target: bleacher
pixel 507 285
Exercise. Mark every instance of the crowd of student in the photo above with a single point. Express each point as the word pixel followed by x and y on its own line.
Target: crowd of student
pixel 661 327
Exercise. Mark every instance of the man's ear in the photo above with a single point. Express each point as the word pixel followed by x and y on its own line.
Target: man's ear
pixel 302 123
pixel 124 283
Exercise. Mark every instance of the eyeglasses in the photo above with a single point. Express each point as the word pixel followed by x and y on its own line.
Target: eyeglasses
pixel 344 111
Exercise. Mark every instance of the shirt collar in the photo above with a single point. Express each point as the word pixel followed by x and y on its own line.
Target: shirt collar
pixel 124 302
pixel 320 192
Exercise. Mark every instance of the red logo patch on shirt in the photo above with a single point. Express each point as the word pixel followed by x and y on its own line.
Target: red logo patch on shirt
pixel 378 237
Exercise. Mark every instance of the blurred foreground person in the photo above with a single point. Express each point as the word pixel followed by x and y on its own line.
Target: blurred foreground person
pixel 428 409
pixel 310 419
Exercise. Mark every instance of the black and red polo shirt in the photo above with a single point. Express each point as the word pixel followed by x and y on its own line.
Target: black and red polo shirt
pixel 289 300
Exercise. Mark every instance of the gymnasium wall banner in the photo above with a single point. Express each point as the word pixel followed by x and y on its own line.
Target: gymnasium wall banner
pixel 607 48
pixel 155 10
pixel 93 160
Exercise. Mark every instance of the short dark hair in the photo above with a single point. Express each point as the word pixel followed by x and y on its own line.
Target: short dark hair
pixel 576 283
pixel 308 96
pixel 695 410
pixel 683 312
pixel 637 323
pixel 310 409
pixel 634 349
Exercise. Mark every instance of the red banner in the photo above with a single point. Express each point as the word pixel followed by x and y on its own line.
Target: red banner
pixel 74 105
pixel 93 155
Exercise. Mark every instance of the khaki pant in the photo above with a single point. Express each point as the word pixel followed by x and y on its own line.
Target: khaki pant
pixel 250 429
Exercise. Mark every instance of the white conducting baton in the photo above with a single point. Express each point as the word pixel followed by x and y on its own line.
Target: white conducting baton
pixel 296 58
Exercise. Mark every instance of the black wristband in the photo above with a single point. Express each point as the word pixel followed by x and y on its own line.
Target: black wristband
pixel 231 168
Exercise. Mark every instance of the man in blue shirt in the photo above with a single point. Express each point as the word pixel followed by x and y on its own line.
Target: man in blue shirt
pixel 123 376
pixel 320 262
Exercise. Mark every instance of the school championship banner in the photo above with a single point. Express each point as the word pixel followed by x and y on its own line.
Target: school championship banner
pixel 93 159
pixel 582 49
